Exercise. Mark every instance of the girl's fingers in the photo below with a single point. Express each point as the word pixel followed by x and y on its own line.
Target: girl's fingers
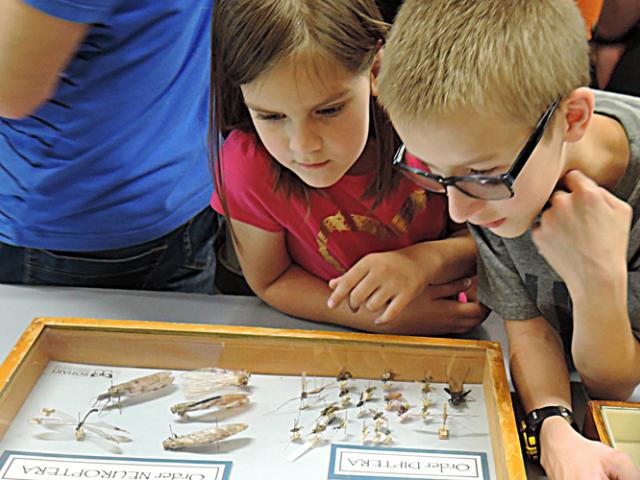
pixel 361 292
pixel 378 300
pixel 394 308
pixel 342 287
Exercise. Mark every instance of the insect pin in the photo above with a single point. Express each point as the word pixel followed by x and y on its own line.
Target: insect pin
pixel 220 402
pixel 54 419
pixel 203 381
pixel 138 386
pixel 201 438
pixel 443 431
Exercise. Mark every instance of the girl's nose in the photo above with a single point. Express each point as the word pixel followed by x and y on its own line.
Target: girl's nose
pixel 304 139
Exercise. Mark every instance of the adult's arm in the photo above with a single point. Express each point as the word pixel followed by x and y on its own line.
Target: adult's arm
pixel 34 48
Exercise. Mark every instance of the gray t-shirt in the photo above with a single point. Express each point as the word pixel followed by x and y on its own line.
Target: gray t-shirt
pixel 518 283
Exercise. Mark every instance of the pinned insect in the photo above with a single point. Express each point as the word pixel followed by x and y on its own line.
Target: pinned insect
pixel 203 381
pixel 403 411
pixel 426 403
pixel 329 409
pixel 386 378
pixel 54 419
pixel 365 431
pixel 366 396
pixel 456 390
pixel 344 376
pixel 202 438
pixel 342 424
pixel 394 400
pixel 138 386
pixel 344 391
pixel 295 431
pixel 426 384
pixel 220 402
pixel 322 423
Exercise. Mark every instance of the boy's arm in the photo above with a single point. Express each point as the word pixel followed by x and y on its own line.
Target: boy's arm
pixel 34 48
pixel 584 236
pixel 605 351
pixel 541 378
pixel 285 286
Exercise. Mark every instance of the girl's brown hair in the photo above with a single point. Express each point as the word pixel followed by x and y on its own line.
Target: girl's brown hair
pixel 249 37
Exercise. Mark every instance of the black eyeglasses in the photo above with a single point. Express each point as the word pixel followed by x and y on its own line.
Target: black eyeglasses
pixel 483 187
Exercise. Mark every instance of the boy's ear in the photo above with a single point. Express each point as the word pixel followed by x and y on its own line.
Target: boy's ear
pixel 578 110
pixel 375 71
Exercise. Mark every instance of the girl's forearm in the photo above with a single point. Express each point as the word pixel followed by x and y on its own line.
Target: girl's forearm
pixel 448 259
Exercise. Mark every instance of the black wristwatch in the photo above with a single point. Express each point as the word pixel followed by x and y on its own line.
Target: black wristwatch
pixel 530 427
pixel 620 39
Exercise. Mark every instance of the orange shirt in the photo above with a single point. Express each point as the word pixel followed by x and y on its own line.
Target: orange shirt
pixel 590 11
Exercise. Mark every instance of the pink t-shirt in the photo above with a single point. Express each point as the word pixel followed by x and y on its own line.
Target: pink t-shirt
pixel 339 228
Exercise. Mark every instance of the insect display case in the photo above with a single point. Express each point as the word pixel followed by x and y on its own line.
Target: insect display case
pixel 278 403
pixel 616 424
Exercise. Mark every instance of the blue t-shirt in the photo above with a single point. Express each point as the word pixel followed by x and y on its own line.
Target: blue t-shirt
pixel 118 156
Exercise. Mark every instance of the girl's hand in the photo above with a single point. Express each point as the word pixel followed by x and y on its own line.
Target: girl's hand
pixel 384 282
pixel 585 233
pixel 567 455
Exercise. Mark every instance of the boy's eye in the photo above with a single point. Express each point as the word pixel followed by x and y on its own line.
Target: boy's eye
pixel 482 172
pixel 331 111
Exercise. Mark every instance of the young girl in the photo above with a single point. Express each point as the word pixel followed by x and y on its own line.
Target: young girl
pixel 323 227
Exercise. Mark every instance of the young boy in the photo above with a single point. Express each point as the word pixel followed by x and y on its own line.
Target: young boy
pixel 489 94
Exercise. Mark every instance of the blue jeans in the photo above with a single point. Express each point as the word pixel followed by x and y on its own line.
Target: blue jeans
pixel 183 260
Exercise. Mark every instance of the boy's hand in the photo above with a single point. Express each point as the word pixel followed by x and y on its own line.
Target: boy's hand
pixel 585 233
pixel 386 281
pixel 567 455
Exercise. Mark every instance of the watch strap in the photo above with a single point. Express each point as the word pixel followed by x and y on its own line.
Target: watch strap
pixel 532 423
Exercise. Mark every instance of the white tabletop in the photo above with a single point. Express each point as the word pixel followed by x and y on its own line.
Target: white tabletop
pixel 20 304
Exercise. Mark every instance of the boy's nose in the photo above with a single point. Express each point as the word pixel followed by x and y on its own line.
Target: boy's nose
pixel 304 140
pixel 462 206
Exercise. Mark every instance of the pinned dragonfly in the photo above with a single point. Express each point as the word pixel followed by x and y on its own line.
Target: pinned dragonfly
pixel 55 419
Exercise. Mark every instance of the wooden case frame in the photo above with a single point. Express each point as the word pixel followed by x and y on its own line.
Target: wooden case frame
pixel 595 427
pixel 261 350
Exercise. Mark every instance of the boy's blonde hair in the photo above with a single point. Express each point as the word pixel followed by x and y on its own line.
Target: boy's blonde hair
pixel 506 57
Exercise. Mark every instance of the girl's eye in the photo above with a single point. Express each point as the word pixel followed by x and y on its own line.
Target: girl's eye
pixel 269 116
pixel 331 111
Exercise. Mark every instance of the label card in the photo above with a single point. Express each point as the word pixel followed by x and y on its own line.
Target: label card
pixel 354 462
pixel 42 466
